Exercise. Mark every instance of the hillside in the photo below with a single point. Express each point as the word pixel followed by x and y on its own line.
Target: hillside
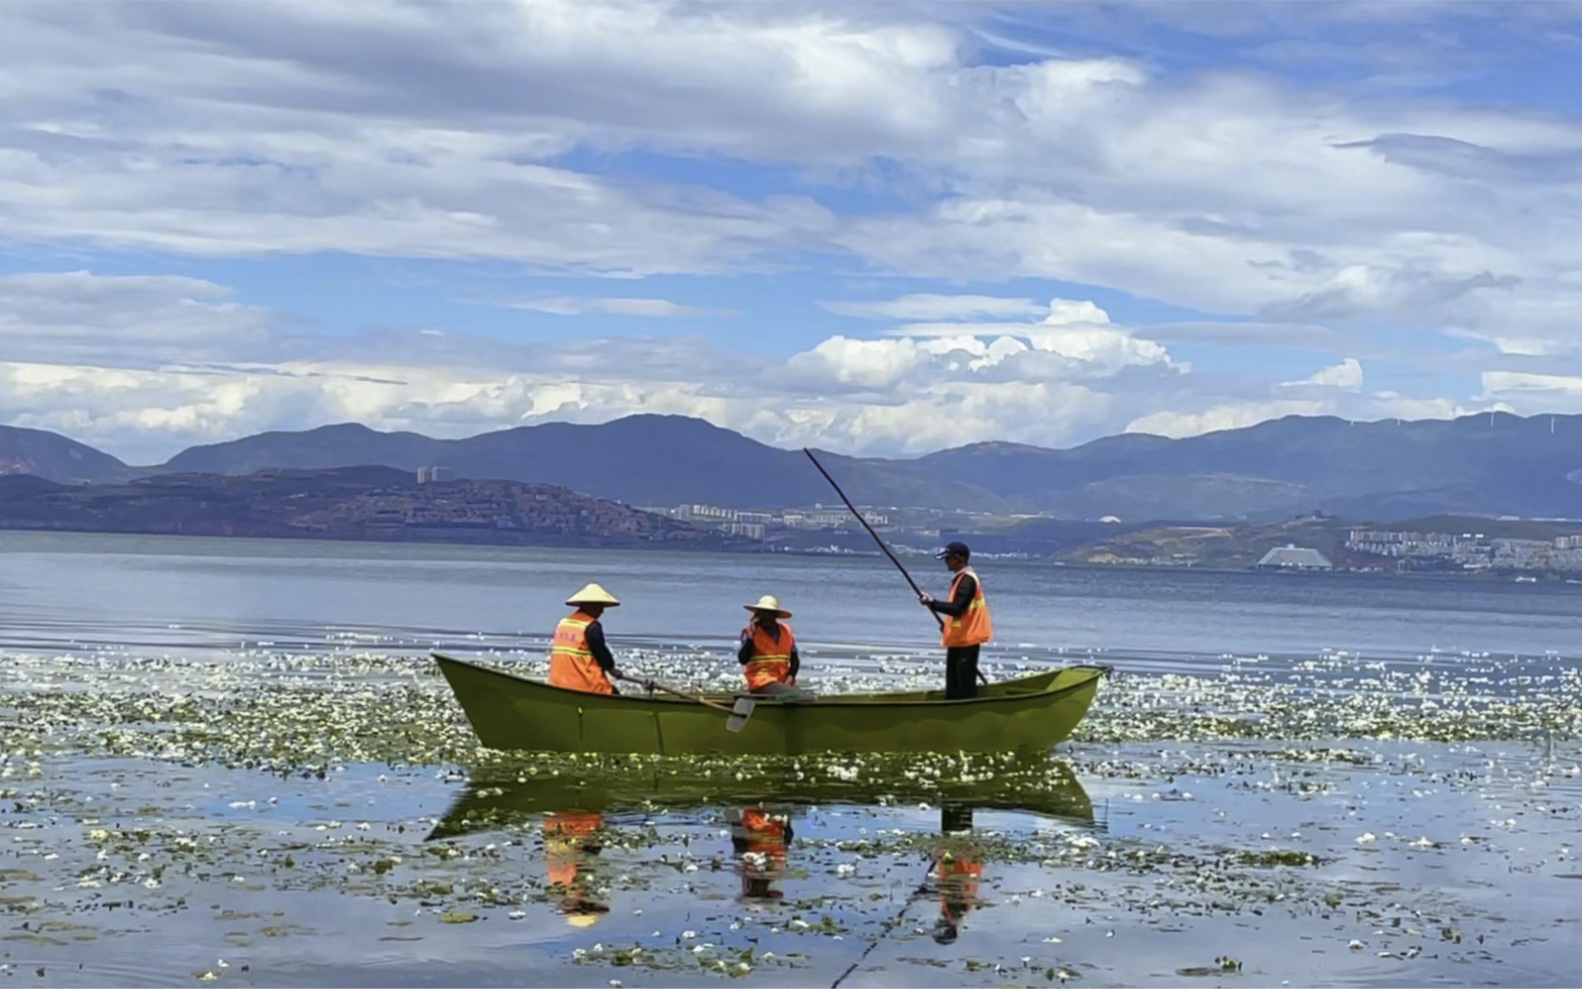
pixel 1484 464
pixel 348 503
pixel 56 458
pixel 644 460
pixel 1384 471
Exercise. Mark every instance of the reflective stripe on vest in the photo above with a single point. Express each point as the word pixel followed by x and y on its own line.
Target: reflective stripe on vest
pixel 771 660
pixel 571 663
pixel 971 627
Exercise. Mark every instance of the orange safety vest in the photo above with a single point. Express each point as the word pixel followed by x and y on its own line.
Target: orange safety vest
pixel 565 838
pixel 765 836
pixel 571 665
pixel 971 627
pixel 771 660
pixel 958 885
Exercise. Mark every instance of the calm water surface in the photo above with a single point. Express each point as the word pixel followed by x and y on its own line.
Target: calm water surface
pixel 71 590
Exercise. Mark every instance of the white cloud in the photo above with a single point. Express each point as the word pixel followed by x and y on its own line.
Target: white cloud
pixel 1063 380
pixel 1347 374
pixel 1527 393
pixel 1078 331
pixel 392 129
pixel 138 318
pixel 500 131
pixel 1240 414
pixel 1221 417
pixel 567 305
pixel 1042 382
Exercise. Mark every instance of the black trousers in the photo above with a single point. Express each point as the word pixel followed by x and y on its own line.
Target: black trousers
pixel 961 672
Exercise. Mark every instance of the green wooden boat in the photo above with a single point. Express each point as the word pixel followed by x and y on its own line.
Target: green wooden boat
pixel 507 797
pixel 1028 714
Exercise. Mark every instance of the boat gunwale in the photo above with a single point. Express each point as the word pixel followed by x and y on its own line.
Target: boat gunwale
pixel 1100 671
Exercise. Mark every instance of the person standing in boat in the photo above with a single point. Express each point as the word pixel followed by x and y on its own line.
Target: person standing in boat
pixel 966 626
pixel 579 658
pixel 768 650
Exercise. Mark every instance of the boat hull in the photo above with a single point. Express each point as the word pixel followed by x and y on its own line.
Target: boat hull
pixel 511 712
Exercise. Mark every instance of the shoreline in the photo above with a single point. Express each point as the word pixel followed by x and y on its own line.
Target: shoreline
pixel 692 548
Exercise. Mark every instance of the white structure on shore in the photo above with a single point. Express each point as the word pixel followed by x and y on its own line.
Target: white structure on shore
pixel 1294 557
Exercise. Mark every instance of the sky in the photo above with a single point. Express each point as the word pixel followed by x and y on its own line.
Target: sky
pixel 880 228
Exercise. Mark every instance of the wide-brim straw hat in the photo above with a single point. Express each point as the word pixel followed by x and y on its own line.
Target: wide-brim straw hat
pixel 593 594
pixel 768 603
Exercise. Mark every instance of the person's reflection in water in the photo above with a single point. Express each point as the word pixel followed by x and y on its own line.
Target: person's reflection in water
pixel 958 868
pixel 571 844
pixel 760 840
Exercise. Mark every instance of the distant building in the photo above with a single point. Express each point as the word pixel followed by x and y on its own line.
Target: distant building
pixel 1294 557
pixel 434 475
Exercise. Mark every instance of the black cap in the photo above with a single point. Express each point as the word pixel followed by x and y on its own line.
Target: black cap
pixel 954 549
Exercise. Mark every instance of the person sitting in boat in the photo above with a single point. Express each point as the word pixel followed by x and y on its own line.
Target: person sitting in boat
pixel 768 650
pixel 579 659
pixel 571 840
pixel 966 626
pixel 761 840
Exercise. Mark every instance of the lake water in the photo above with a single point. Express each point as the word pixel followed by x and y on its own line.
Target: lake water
pixel 230 761
pixel 164 593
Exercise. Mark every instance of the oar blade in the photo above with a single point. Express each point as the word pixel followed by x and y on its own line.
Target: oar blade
pixel 740 712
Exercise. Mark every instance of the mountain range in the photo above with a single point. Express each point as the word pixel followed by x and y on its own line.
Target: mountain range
pixel 1488 464
pixel 382 503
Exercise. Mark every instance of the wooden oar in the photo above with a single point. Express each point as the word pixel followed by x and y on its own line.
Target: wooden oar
pixel 853 509
pixel 739 712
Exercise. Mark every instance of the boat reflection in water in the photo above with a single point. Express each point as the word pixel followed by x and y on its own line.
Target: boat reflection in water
pixel 513 794
pixel 572 807
pixel 571 849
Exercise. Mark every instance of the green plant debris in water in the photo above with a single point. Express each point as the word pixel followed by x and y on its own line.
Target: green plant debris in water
pixel 1274 857
pixel 1146 830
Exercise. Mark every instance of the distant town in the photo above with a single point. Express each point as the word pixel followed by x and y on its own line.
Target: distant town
pixel 762 525
pixel 1309 543
pixel 1467 551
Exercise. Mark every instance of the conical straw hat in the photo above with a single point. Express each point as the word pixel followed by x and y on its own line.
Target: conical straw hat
pixel 593 594
pixel 768 603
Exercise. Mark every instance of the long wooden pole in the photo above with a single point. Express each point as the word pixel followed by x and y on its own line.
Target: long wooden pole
pixel 875 535
pixel 853 509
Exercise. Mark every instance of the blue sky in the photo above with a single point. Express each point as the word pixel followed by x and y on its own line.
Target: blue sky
pixel 881 228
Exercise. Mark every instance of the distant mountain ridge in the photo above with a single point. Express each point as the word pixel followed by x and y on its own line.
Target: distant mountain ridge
pixel 643 460
pixel 1488 464
pixel 56 458
pixel 381 503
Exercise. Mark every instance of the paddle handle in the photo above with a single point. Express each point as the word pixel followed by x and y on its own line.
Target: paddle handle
pixel 652 685
pixel 853 509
